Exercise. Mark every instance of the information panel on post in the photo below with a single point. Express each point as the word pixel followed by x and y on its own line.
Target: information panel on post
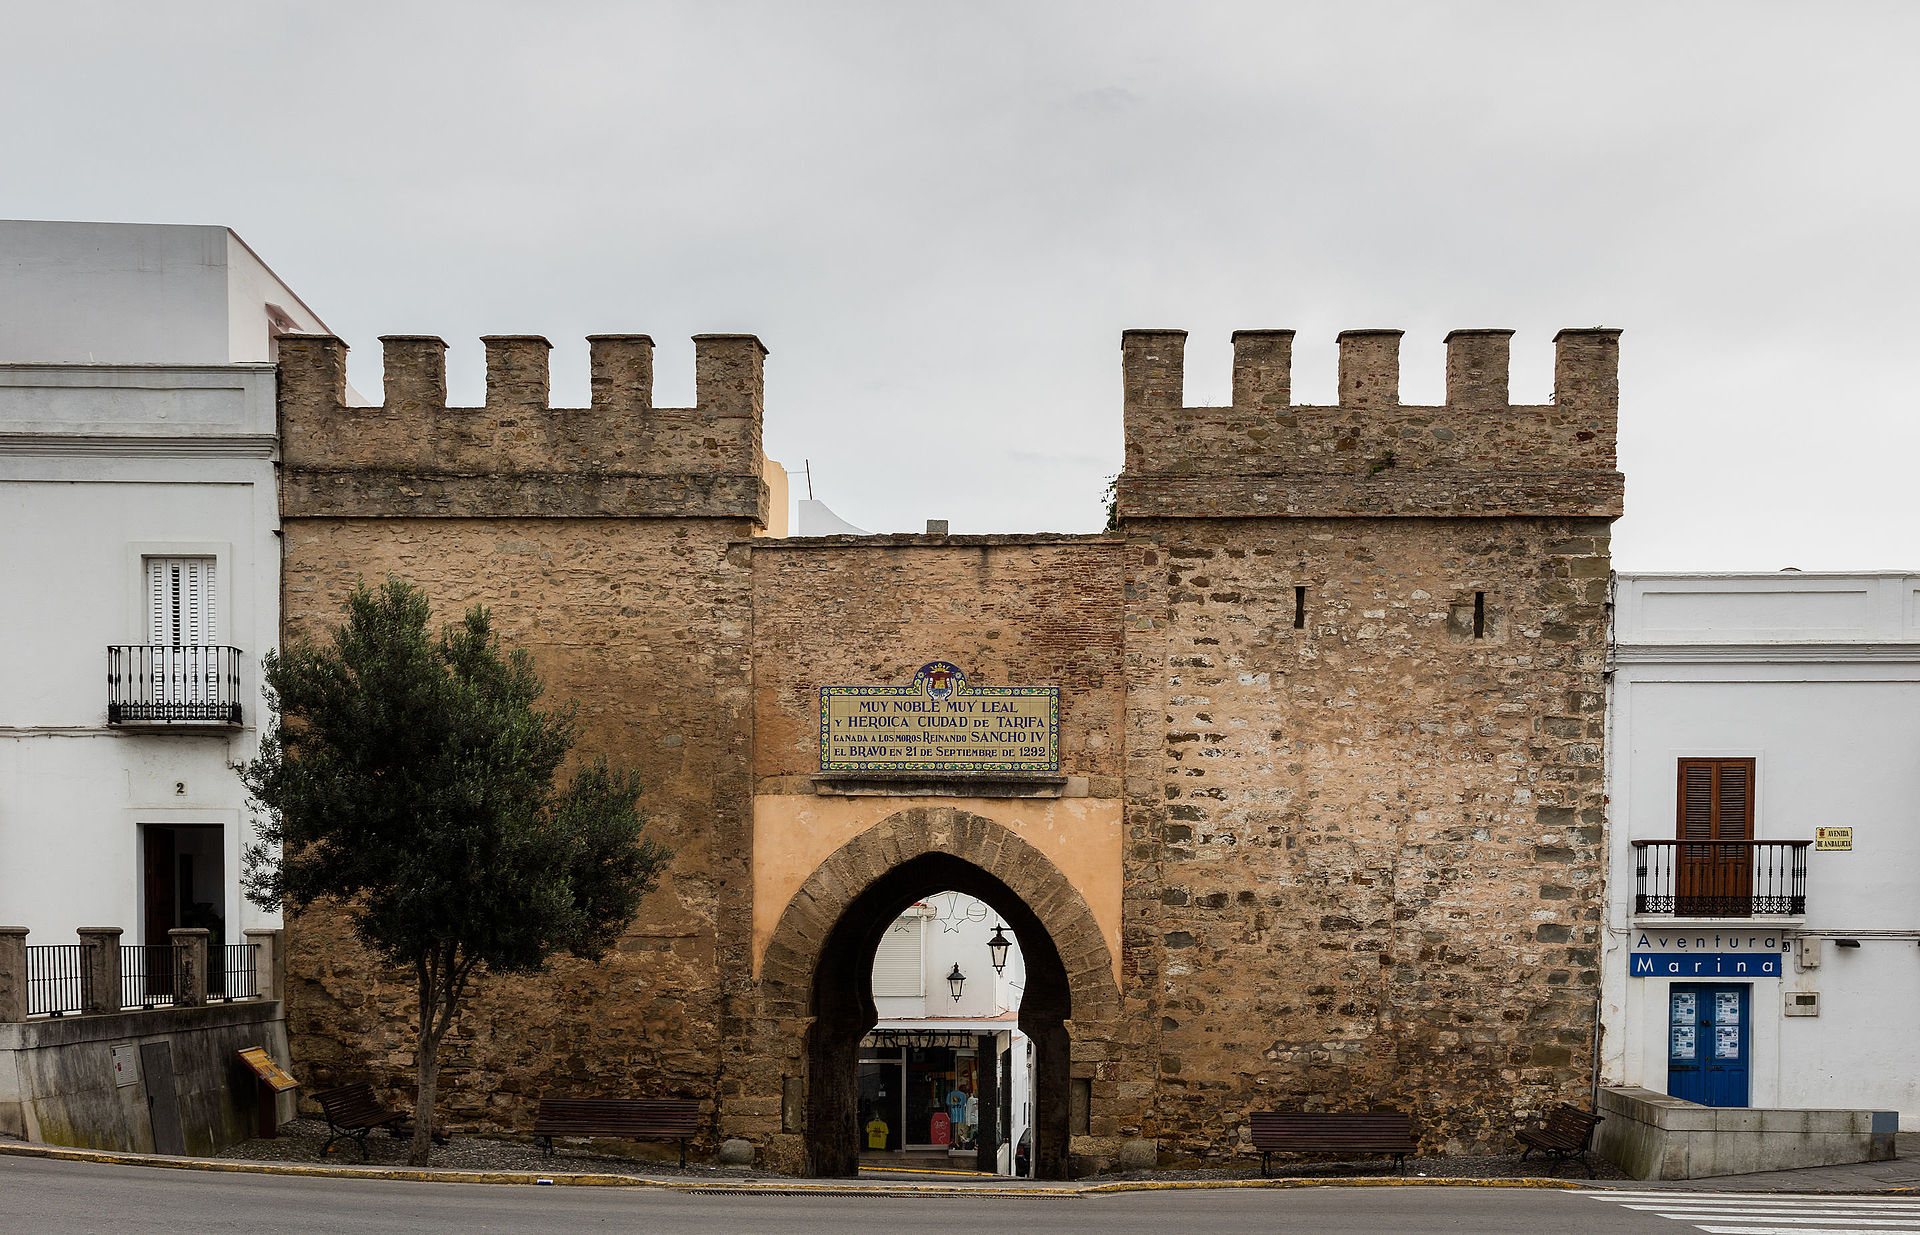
pixel 269 1072
pixel 940 722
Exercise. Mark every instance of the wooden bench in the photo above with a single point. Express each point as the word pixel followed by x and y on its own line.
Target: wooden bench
pixel 1567 1133
pixel 633 1119
pixel 1350 1132
pixel 352 1111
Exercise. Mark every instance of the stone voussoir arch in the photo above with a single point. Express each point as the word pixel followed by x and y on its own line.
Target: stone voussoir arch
pixel 794 949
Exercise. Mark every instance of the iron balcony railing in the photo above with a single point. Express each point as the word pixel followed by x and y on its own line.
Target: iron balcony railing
pixel 1720 878
pixel 58 980
pixel 157 684
pixel 150 973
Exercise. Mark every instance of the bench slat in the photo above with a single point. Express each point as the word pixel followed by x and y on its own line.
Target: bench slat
pixel 640 1119
pixel 1566 1133
pixel 354 1106
pixel 353 1112
pixel 1336 1132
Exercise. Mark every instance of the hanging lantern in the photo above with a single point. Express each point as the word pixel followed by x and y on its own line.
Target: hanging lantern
pixel 997 948
pixel 955 980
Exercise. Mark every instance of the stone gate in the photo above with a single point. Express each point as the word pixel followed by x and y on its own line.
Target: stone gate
pixel 1322 823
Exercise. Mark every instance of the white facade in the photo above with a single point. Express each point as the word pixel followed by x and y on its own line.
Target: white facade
pixel 1815 678
pixel 945 931
pixel 138 293
pixel 138 493
pixel 914 997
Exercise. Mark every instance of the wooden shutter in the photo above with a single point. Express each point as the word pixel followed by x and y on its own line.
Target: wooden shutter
pixel 899 967
pixel 1716 799
pixel 159 625
pixel 1733 813
pixel 182 602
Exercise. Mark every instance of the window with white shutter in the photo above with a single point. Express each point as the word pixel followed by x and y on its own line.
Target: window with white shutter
pixel 181 602
pixel 899 967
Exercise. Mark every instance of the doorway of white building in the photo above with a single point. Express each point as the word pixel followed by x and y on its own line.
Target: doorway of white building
pixel 1708 1039
pixel 183 884
pixel 947 980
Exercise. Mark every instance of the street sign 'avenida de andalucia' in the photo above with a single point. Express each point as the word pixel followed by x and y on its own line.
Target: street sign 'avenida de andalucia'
pixel 940 723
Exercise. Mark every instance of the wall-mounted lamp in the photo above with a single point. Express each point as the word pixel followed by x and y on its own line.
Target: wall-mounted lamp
pixel 955 981
pixel 1846 943
pixel 997 948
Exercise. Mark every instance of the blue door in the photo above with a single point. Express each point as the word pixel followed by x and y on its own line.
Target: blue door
pixel 1707 1044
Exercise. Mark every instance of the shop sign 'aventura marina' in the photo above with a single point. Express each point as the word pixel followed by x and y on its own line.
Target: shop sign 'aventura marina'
pixel 938 722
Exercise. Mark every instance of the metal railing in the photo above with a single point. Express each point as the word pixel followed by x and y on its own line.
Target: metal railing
pixel 101 976
pixel 156 684
pixel 58 980
pixel 236 976
pixel 1720 878
pixel 150 973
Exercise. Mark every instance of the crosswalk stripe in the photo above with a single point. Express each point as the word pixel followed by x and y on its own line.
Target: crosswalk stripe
pixel 1763 1207
pixel 1775 1213
pixel 1806 1230
pixel 1748 1210
pixel 1679 1197
pixel 1807 1218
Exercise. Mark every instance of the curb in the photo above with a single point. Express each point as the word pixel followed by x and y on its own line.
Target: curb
pixel 737 1186
pixel 799 1187
pixel 1350 1181
pixel 241 1166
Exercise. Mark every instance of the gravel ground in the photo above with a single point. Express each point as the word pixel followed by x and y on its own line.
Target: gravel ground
pixel 1506 1166
pixel 300 1141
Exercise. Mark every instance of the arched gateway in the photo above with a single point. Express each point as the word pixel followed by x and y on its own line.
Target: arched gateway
pixel 815 981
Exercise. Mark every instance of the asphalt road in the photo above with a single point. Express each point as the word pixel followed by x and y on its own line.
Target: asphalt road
pixel 61 1198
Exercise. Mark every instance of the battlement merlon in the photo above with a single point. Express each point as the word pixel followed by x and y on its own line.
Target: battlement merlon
pixel 1370 455
pixel 514 456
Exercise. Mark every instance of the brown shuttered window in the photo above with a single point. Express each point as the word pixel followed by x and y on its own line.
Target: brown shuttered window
pixel 1716 799
pixel 1714 873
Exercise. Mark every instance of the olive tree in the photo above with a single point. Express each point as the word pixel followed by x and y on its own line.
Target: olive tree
pixel 411 780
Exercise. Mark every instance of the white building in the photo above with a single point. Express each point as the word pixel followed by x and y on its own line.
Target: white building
pixel 1763 919
pixel 137 488
pixel 946 1015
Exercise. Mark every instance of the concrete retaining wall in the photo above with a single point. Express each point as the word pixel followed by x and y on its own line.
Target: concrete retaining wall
pixel 58 1085
pixel 1652 1136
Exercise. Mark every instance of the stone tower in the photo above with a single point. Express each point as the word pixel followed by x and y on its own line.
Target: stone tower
pixel 602 539
pixel 1366 793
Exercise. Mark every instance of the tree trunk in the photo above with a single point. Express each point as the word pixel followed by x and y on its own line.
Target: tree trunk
pixel 427 1065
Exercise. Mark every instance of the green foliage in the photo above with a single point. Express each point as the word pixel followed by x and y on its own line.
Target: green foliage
pixel 411 779
pixel 1112 496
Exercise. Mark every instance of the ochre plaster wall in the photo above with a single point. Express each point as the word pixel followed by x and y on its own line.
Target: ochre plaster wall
pixel 794 833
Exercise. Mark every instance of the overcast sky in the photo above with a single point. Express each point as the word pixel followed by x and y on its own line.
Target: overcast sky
pixel 940 217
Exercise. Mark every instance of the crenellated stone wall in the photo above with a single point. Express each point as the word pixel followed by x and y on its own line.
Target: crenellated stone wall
pixel 1327 826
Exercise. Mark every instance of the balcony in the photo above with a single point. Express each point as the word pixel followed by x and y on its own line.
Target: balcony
pixel 159 685
pixel 1720 878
